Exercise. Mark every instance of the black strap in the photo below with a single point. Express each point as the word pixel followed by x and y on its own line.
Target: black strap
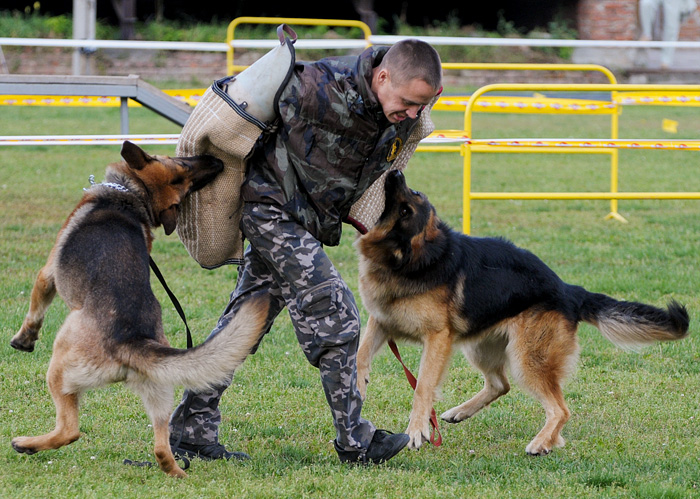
pixel 173 299
pixel 148 464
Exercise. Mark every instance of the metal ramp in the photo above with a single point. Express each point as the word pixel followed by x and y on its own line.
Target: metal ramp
pixel 124 87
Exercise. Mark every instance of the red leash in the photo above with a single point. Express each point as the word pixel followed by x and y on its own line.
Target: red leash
pixel 412 380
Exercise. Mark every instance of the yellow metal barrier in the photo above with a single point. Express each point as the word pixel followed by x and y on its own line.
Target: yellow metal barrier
pixel 533 105
pixel 232 68
pixel 581 146
pixel 578 145
pixel 190 96
pixel 525 104
pixel 490 66
pixel 659 98
pixel 486 104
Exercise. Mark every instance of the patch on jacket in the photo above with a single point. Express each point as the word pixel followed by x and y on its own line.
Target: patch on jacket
pixel 395 149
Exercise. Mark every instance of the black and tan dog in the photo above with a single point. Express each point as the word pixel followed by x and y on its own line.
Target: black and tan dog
pixel 502 305
pixel 113 332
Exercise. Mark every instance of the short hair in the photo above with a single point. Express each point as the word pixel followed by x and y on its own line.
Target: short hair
pixel 410 59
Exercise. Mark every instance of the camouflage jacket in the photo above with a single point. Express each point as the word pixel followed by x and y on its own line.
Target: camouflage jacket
pixel 332 143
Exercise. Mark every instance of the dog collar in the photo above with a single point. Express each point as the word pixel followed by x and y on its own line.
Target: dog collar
pixel 111 185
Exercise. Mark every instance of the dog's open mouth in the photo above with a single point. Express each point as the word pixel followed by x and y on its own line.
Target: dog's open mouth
pixel 208 168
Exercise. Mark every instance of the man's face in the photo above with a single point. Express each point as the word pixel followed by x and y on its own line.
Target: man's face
pixel 401 100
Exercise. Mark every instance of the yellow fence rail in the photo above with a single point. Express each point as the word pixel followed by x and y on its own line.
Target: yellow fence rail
pixel 191 96
pixel 539 105
pixel 576 146
pixel 487 104
pixel 490 66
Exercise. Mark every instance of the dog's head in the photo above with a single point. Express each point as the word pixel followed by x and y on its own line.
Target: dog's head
pixel 402 237
pixel 166 180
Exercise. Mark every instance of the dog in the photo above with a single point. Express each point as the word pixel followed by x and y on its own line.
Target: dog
pixel 422 281
pixel 99 266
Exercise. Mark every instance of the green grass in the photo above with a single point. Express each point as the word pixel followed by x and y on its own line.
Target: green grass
pixel 634 428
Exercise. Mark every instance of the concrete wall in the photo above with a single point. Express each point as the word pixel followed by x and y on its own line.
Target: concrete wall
pixel 618 20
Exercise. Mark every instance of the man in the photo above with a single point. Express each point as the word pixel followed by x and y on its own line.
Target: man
pixel 342 122
pixel 675 12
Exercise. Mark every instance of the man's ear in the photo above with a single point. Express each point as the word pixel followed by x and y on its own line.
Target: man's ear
pixel 383 76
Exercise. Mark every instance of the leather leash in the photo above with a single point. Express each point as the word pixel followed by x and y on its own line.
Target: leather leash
pixel 173 299
pixel 413 382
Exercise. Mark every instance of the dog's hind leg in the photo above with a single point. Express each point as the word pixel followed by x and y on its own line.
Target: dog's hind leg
pixel 158 400
pixel 42 295
pixel 372 339
pixel 437 350
pixel 66 402
pixel 489 356
pixel 542 353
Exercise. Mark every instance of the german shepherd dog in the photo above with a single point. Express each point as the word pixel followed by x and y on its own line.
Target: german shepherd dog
pixel 422 281
pixel 113 332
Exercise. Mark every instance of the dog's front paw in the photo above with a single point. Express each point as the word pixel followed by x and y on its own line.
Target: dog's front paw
pixel 177 472
pixel 418 434
pixel 24 340
pixel 537 450
pixel 24 347
pixel 454 415
pixel 18 445
pixel 543 445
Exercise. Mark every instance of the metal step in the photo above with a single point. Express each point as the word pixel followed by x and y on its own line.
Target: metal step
pixel 124 87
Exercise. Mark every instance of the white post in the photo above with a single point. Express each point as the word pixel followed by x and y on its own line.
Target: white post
pixel 84 22
pixel 3 63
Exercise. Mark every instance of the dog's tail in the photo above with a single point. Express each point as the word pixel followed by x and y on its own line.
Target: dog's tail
pixel 632 325
pixel 211 363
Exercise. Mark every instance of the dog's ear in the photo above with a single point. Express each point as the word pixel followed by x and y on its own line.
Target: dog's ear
pixel 134 156
pixel 168 219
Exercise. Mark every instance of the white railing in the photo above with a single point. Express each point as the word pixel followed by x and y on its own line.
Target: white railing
pixel 114 44
pixel 340 44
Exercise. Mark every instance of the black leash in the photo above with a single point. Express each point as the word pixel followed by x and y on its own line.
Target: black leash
pixel 173 299
pixel 186 408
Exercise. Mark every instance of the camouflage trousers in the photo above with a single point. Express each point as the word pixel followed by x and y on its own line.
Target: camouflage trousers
pixel 286 263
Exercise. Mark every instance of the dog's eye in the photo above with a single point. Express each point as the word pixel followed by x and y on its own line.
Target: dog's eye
pixel 404 211
pixel 177 181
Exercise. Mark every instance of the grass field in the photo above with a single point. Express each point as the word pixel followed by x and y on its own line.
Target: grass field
pixel 634 426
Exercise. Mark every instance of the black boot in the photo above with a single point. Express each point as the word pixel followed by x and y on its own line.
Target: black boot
pixel 384 446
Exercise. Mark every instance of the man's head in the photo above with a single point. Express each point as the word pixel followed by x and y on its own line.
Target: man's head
pixel 407 79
